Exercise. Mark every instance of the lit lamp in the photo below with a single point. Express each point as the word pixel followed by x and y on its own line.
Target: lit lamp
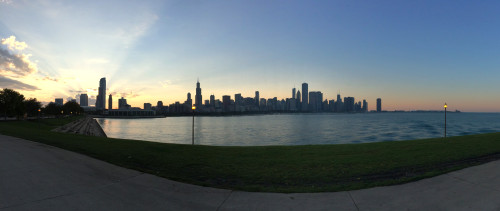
pixel 445 106
pixel 193 108
pixel 39 113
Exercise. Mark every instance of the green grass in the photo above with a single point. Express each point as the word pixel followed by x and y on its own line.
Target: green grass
pixel 311 168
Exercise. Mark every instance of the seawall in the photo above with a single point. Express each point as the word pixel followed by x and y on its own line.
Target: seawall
pixel 84 126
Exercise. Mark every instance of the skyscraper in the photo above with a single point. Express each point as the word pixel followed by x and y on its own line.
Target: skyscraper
pixel 122 104
pixel 365 106
pixel 298 97
pixel 100 103
pixel 305 97
pixel 198 98
pixel 316 101
pixel 379 105
pixel 293 93
pixel 84 100
pixel 110 102
pixel 257 98
pixel 59 101
pixel 212 100
pixel 189 101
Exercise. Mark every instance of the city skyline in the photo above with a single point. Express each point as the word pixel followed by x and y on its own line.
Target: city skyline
pixel 413 55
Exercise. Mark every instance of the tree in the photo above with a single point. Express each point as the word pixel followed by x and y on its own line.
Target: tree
pixel 52 109
pixel 71 107
pixel 11 103
pixel 32 106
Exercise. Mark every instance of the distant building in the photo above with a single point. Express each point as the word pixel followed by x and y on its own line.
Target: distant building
pixel 238 100
pixel 147 106
pixel 305 97
pixel 315 101
pixel 349 104
pixel 122 104
pixel 365 106
pixel 379 105
pixel 293 93
pixel 84 100
pixel 110 102
pixel 299 103
pixel 257 97
pixel 198 97
pixel 100 103
pixel 226 102
pixel 189 101
pixel 59 101
pixel 212 100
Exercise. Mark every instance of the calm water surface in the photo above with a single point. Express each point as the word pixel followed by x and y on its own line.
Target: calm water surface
pixel 301 129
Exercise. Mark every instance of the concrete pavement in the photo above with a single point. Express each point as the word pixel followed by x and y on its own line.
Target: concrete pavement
pixel 35 176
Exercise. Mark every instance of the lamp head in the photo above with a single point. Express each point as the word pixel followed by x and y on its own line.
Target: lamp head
pixel 445 106
pixel 194 107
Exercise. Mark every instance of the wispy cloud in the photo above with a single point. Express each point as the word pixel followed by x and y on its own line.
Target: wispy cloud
pixel 14 84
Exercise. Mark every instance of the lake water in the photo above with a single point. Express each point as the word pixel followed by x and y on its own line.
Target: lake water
pixel 301 129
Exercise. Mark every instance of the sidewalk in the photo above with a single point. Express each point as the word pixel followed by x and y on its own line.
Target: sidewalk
pixel 35 176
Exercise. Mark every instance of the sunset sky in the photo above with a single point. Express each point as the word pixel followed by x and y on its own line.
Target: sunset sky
pixel 412 54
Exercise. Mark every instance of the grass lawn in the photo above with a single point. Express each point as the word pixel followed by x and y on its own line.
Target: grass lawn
pixel 309 168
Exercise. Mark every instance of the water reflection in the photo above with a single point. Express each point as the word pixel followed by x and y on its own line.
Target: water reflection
pixel 300 129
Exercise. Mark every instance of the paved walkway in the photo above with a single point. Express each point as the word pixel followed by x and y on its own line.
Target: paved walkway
pixel 35 176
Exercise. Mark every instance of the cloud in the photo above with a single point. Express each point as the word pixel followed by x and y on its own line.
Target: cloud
pixel 15 64
pixel 14 84
pixel 128 95
pixel 12 44
pixel 6 1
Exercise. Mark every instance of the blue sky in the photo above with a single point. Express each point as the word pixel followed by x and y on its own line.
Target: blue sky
pixel 412 54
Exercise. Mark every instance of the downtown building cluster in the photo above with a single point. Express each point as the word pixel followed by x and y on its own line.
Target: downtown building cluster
pixel 305 101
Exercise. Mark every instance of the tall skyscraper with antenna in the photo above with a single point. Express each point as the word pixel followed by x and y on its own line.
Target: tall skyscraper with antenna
pixel 198 98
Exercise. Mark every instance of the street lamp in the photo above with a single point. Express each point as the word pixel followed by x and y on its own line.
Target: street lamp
pixel 193 108
pixel 445 106
pixel 39 113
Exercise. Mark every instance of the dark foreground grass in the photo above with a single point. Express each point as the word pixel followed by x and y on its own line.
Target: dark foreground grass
pixel 311 168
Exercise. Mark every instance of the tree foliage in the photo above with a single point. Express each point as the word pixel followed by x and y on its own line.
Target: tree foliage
pixel 73 108
pixel 11 103
pixel 32 105
pixel 52 109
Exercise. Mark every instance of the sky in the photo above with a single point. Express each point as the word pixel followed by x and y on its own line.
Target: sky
pixel 412 54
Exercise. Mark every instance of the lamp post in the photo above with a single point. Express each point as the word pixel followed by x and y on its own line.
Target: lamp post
pixel 193 108
pixel 445 106
pixel 39 114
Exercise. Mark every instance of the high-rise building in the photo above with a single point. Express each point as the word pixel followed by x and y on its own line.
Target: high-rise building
pixel 198 98
pixel 100 103
pixel 189 101
pixel 110 102
pixel 147 106
pixel 226 102
pixel 305 98
pixel 379 105
pixel 257 98
pixel 238 100
pixel 315 101
pixel 293 93
pixel 349 104
pixel 84 100
pixel 212 100
pixel 365 106
pixel 122 104
pixel 59 101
